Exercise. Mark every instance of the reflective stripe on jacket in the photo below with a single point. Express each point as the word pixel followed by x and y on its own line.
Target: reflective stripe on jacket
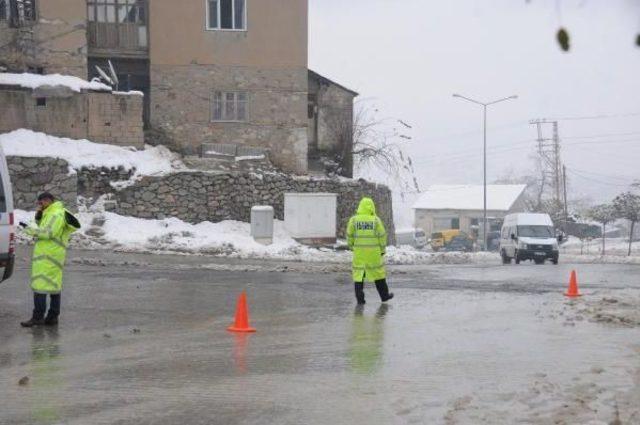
pixel 50 250
pixel 367 238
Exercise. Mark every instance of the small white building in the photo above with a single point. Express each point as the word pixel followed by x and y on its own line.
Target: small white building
pixel 443 207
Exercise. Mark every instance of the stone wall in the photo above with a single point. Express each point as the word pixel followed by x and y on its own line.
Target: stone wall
pixel 100 117
pixel 32 176
pixel 197 197
pixel 190 196
pixel 56 42
pixel 181 108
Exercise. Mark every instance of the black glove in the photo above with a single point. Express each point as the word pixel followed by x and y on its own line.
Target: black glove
pixel 23 224
pixel 383 254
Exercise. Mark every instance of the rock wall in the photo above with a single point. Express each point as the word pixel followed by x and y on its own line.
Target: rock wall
pixel 196 196
pixel 190 196
pixel 32 176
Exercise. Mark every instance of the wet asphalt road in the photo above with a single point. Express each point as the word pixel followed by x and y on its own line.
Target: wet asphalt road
pixel 146 343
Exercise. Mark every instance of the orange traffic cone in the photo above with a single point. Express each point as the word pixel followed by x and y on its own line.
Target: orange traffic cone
pixel 242 316
pixel 573 286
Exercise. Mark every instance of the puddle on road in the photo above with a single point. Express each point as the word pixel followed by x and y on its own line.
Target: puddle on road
pixel 427 357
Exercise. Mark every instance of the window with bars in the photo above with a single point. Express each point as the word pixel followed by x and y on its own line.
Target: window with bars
pixel 117 11
pixel 227 15
pixel 18 12
pixel 229 106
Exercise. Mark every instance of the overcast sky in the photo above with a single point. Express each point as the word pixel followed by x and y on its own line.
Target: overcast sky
pixel 409 56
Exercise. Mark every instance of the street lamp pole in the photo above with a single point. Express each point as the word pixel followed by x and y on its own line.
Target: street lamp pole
pixel 484 162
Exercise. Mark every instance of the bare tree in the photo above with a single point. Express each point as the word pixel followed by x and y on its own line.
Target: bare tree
pixel 603 214
pixel 372 142
pixel 627 206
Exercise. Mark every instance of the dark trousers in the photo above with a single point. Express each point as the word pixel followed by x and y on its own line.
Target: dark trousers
pixel 40 306
pixel 381 286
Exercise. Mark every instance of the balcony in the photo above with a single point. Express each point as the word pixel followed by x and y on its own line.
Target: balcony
pixel 118 28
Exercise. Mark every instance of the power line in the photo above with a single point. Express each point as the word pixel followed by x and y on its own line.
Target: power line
pixel 580 175
pixel 597 136
pixel 599 117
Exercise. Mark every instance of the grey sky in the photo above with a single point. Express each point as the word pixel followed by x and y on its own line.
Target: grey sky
pixel 409 56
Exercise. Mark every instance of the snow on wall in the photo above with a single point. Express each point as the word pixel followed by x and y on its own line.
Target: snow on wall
pixel 34 81
pixel 85 154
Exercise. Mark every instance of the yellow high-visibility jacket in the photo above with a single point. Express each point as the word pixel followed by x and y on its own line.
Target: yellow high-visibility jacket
pixel 50 251
pixel 367 238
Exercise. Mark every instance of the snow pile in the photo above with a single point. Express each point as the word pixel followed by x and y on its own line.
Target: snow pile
pixel 156 160
pixel 232 239
pixel 34 81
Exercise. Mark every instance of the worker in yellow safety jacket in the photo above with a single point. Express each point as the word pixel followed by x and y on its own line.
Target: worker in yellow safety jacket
pixel 367 238
pixel 54 228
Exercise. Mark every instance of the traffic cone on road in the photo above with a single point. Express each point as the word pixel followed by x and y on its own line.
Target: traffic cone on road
pixel 241 323
pixel 573 286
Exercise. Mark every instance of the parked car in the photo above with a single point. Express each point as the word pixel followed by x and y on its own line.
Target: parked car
pixel 442 238
pixel 462 243
pixel 7 227
pixel 527 236
pixel 416 238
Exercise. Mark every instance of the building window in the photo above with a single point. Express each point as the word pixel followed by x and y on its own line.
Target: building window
pixel 227 15
pixel 41 102
pixel 18 12
pixel 229 106
pixel 121 11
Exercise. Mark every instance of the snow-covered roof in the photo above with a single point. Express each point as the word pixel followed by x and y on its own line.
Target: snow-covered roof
pixel 469 197
pixel 34 81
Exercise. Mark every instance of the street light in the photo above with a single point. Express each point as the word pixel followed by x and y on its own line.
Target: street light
pixel 484 108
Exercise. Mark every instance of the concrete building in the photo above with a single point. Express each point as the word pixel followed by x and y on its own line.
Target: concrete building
pixel 212 71
pixel 443 207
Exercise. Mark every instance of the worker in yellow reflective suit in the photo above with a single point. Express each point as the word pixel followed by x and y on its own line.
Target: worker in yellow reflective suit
pixel 367 238
pixel 54 228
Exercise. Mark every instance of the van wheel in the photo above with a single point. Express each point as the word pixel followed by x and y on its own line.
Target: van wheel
pixel 517 258
pixel 505 259
pixel 555 261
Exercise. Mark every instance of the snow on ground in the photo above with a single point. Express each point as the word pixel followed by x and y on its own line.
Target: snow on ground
pixel 156 160
pixel 593 247
pixel 33 81
pixel 232 239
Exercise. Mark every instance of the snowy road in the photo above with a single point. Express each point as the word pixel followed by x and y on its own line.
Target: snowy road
pixel 142 340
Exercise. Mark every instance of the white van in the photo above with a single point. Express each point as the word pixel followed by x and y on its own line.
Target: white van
pixel 527 236
pixel 416 238
pixel 7 228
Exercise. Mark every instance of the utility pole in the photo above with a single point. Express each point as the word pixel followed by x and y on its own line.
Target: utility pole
pixel 549 152
pixel 566 203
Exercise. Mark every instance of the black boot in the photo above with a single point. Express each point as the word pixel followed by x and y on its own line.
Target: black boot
pixel 383 290
pixel 51 321
pixel 359 287
pixel 32 322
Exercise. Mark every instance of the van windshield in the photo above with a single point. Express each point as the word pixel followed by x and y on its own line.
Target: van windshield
pixel 535 231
